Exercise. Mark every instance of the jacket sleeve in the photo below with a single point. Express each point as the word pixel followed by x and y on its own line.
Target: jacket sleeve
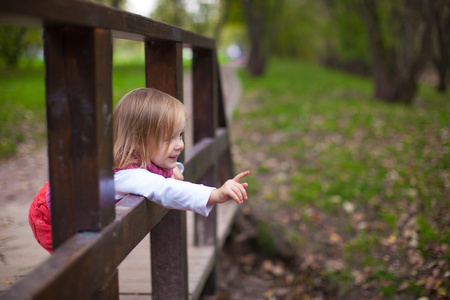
pixel 167 192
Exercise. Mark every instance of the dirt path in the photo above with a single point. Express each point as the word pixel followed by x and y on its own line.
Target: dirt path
pixel 20 179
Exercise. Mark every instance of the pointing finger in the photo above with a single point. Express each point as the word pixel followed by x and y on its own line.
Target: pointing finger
pixel 240 176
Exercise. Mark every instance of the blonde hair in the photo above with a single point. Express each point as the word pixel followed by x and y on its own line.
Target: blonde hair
pixel 142 120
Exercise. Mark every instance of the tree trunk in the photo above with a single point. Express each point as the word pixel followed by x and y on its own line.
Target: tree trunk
pixel 441 55
pixel 223 18
pixel 396 66
pixel 255 25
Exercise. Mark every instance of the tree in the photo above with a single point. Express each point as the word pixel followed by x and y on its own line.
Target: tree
pixel 400 41
pixel 172 12
pixel 262 17
pixel 12 43
pixel 18 41
pixel 345 37
pixel 113 3
pixel 206 18
pixel 224 13
pixel 441 35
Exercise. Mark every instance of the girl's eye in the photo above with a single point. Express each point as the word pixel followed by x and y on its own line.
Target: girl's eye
pixel 178 136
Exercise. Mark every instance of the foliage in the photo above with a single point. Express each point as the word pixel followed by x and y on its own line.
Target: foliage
pixel 361 188
pixel 302 28
pixel 22 110
pixel 172 12
pixel 346 44
pixel 113 3
pixel 205 19
pixel 17 42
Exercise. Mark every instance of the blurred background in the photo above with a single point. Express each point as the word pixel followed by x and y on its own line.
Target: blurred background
pixel 343 121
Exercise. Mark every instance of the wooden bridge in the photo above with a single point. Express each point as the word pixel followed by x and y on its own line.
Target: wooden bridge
pixel 91 235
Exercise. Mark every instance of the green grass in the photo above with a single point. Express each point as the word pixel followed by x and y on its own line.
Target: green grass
pixel 21 107
pixel 22 102
pixel 357 159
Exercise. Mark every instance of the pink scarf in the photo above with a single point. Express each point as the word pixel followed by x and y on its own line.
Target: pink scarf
pixel 151 167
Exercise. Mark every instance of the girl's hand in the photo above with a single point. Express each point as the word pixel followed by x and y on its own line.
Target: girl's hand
pixel 177 174
pixel 231 189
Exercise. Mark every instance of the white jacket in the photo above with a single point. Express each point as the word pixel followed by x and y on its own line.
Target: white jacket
pixel 167 192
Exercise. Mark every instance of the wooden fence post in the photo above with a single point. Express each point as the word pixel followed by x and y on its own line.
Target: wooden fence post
pixel 205 115
pixel 79 120
pixel 164 71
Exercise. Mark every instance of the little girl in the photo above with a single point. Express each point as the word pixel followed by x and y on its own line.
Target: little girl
pixel 148 126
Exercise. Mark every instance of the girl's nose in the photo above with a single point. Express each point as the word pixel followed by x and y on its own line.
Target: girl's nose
pixel 180 144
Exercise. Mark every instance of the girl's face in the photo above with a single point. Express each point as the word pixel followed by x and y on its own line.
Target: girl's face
pixel 167 159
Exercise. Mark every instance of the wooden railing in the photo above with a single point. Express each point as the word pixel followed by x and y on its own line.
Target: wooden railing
pixel 92 236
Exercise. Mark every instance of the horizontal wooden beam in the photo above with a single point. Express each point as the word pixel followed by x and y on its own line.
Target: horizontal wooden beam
pixel 203 155
pixel 59 276
pixel 83 13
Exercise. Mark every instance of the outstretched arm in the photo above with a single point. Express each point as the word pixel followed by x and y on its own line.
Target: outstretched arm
pixel 231 189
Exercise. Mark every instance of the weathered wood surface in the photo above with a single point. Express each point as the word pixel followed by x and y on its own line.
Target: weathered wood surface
pixel 79 118
pixel 164 71
pixel 84 13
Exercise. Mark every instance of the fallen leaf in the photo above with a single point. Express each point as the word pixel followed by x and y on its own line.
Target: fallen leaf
pixel 348 207
pixel 335 238
pixel 414 257
pixel 335 264
pixel 421 281
pixel 360 277
pixel 269 294
pixel 403 286
pixel 275 269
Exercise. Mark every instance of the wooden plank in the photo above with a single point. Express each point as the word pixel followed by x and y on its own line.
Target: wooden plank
pixel 202 262
pixel 109 290
pixel 226 168
pixel 169 257
pixel 79 120
pixel 82 264
pixel 205 123
pixel 84 13
pixel 205 111
pixel 204 77
pixel 205 227
pixel 222 118
pixel 164 71
pixel 164 67
pixel 204 153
